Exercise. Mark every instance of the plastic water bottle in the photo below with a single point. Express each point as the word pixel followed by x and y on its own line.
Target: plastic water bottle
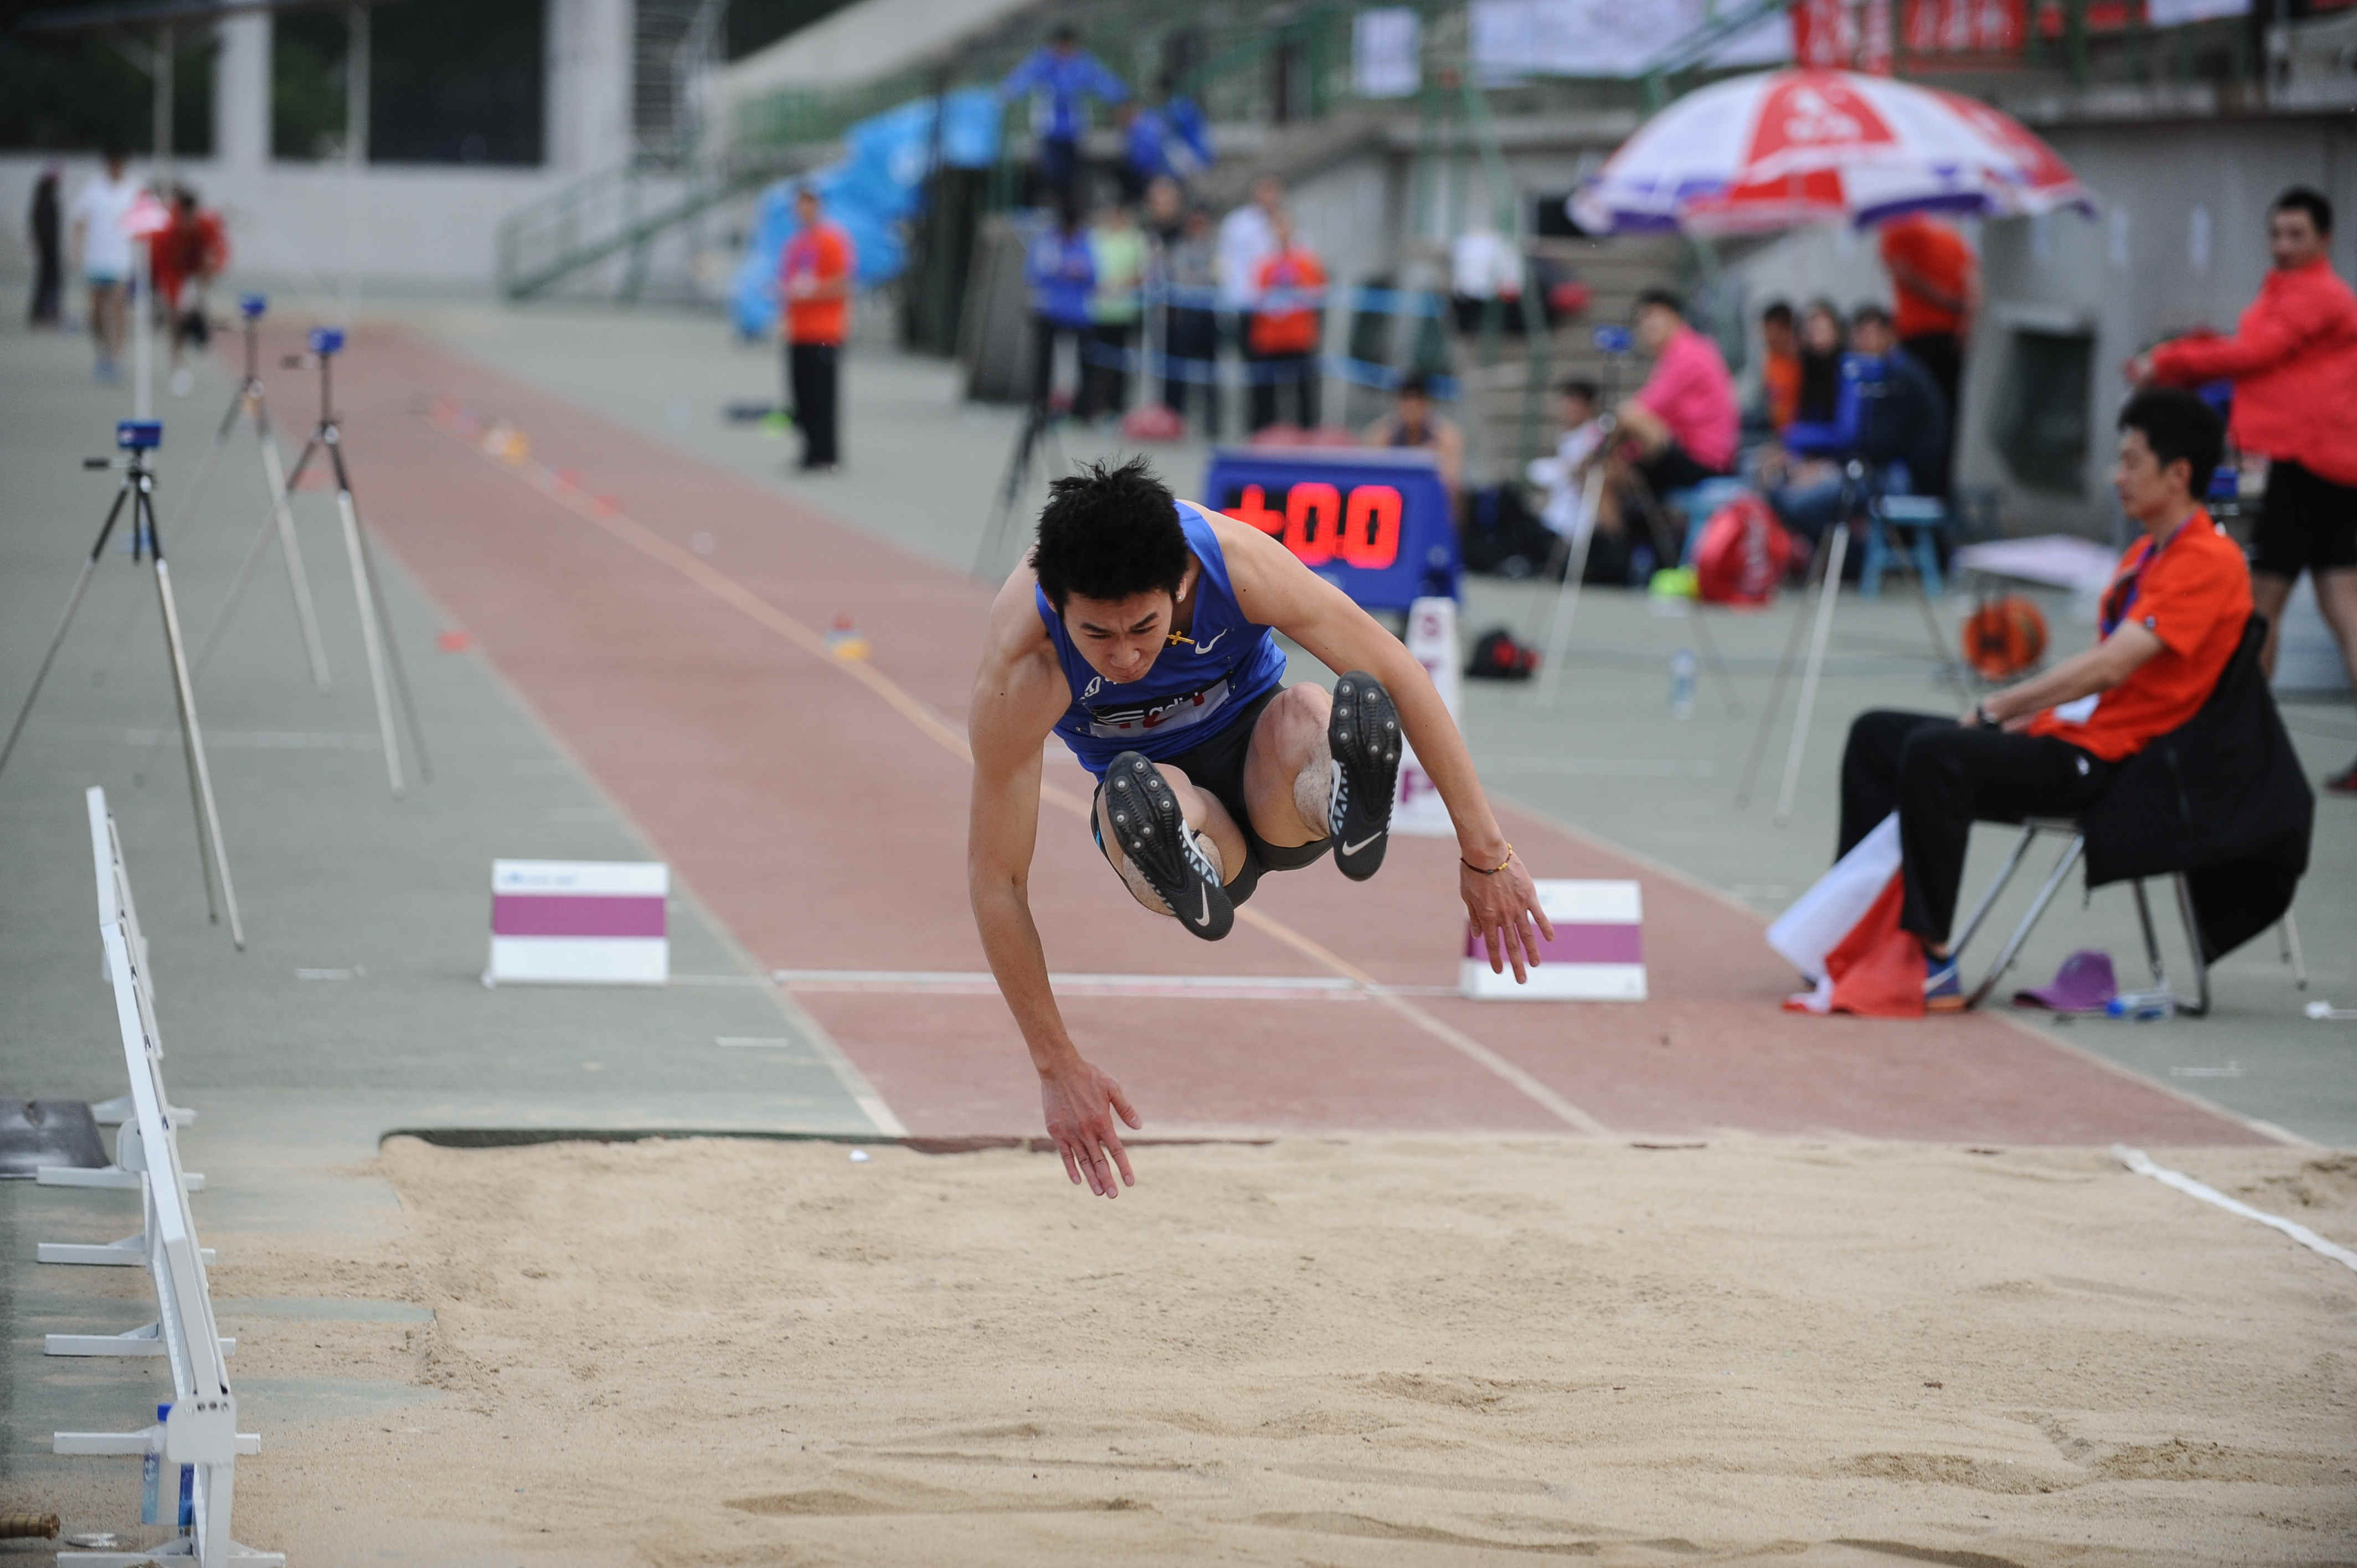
pixel 151 1476
pixel 1682 683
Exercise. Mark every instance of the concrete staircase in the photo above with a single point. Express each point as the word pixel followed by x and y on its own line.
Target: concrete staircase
pixel 1494 400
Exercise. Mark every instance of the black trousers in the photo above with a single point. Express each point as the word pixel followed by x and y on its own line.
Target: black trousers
pixel 48 291
pixel 1275 374
pixel 1104 368
pixel 1044 333
pixel 1941 777
pixel 1942 354
pixel 1191 343
pixel 813 373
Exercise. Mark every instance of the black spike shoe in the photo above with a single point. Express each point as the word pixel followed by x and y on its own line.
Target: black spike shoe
pixel 1364 735
pixel 1153 833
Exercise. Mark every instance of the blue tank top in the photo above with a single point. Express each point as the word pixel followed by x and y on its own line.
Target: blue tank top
pixel 1200 684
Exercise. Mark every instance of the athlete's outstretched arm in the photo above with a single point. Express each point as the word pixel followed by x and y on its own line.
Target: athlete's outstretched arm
pixel 1016 700
pixel 1276 589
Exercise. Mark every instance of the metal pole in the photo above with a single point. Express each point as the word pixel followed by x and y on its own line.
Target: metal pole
pixel 1827 592
pixel 200 779
pixel 356 129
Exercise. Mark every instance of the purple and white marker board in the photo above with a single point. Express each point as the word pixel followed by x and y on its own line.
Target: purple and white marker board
pixel 1598 953
pixel 579 922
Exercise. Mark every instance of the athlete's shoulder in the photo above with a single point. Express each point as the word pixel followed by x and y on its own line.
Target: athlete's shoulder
pixel 1256 563
pixel 1016 628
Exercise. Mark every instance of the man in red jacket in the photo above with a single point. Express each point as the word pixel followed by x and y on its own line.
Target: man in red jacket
pixel 2293 361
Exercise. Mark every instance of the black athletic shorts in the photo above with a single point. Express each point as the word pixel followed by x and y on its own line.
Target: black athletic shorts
pixel 2306 523
pixel 1218 766
pixel 1673 469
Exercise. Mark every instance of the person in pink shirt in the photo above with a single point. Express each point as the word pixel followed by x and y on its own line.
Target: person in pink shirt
pixel 1683 419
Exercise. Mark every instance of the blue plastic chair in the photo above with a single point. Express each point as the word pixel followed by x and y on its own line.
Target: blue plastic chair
pixel 1918 520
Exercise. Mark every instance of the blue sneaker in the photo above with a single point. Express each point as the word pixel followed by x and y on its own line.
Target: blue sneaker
pixel 1942 991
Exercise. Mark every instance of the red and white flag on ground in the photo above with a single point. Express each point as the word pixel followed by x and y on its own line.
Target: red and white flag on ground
pixel 1844 934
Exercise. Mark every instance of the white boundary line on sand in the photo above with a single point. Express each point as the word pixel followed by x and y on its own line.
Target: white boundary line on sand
pixel 2137 1161
pixel 1181 987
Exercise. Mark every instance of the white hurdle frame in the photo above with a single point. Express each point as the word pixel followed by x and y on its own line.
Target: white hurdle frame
pixel 201 1429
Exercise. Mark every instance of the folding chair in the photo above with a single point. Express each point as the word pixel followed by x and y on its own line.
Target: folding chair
pixel 2288 930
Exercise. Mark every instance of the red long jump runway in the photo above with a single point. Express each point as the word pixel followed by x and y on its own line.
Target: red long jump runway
pixel 819 811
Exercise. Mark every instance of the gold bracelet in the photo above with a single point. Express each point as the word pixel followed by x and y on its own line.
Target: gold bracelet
pixel 1490 871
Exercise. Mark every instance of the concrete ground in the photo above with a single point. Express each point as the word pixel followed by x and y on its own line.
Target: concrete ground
pixel 357 1009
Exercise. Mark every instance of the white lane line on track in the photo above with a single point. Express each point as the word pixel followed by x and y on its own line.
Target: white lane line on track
pixel 2137 1161
pixel 627 530
pixel 1183 987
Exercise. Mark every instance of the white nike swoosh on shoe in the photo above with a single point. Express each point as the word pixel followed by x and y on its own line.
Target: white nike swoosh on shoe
pixel 1355 848
pixel 1205 918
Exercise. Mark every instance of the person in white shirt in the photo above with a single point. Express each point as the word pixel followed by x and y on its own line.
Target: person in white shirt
pixel 1247 237
pixel 1564 476
pixel 102 242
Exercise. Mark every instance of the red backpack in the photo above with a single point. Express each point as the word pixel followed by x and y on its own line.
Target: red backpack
pixel 1742 554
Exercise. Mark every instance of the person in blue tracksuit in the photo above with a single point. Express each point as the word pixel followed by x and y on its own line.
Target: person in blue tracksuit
pixel 1057 77
pixel 1163 141
pixel 1063 272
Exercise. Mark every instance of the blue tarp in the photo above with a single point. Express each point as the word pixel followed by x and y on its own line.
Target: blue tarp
pixel 871 192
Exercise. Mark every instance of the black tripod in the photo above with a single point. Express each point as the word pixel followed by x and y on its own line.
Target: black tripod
pixel 252 400
pixel 375 635
pixel 1039 426
pixel 135 438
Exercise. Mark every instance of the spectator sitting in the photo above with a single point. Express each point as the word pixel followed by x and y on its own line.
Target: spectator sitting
pixel 1117 254
pixel 1888 412
pixel 2051 744
pixel 1780 367
pixel 1058 76
pixel 1680 428
pixel 1062 274
pixel 1822 347
pixel 1287 327
pixel 1563 478
pixel 1411 422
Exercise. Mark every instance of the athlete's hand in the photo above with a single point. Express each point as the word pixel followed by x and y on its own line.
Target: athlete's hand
pixel 1503 905
pixel 1081 1101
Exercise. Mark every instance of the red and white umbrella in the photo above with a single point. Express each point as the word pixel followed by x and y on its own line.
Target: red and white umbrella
pixel 1783 148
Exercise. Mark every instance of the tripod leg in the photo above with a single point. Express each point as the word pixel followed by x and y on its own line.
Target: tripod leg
pixel 200 779
pixel 300 580
pixel 73 602
pixel 1711 662
pixel 1776 692
pixel 236 592
pixel 1567 599
pixel 384 620
pixel 180 513
pixel 1829 592
pixel 1010 493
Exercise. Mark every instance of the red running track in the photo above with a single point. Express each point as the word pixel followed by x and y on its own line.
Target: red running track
pixel 818 809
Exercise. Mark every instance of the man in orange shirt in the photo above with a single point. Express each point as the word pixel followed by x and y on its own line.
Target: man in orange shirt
pixel 2050 745
pixel 1285 328
pixel 815 283
pixel 1935 286
pixel 2293 361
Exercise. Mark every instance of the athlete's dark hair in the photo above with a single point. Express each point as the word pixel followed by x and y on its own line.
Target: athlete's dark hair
pixel 2304 198
pixel 2177 423
pixel 1668 299
pixel 1107 533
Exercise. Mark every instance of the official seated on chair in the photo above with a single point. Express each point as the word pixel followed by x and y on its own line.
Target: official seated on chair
pixel 1887 413
pixel 2052 744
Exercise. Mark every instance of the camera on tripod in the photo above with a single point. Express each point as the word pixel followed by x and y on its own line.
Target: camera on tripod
pixel 138 435
pixel 326 341
pixel 252 305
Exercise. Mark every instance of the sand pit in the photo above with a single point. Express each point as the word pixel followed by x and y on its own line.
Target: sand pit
pixel 1355 1351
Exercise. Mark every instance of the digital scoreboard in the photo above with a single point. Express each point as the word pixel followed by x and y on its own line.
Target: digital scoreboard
pixel 1374 521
